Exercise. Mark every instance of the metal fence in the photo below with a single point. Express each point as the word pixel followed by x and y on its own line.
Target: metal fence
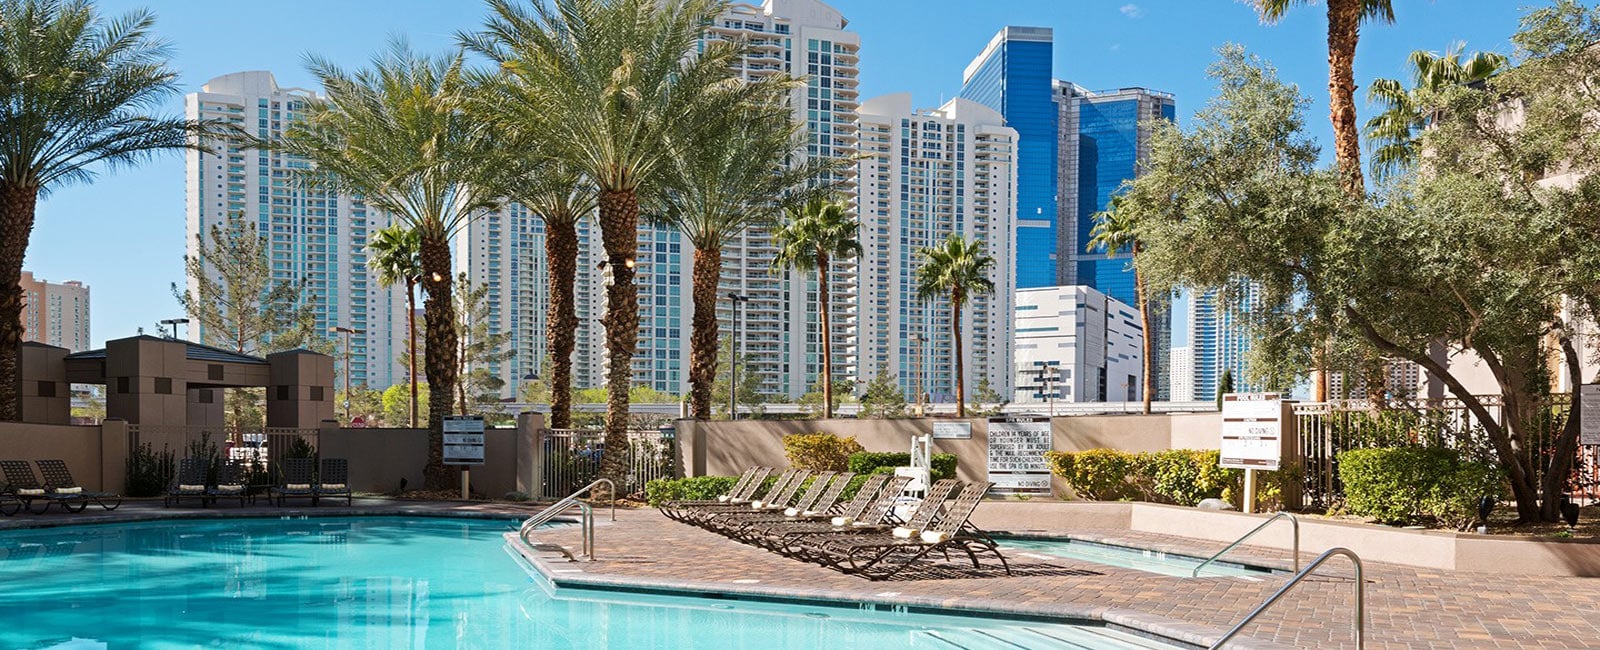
pixel 571 459
pixel 258 449
pixel 1327 429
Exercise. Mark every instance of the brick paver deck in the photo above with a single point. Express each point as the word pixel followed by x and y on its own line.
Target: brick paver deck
pixel 1406 607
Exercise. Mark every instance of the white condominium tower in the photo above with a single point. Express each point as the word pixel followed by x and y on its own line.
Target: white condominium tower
pixel 926 175
pixel 318 236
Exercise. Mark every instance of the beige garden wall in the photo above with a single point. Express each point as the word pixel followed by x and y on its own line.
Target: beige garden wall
pixel 96 455
pixel 379 458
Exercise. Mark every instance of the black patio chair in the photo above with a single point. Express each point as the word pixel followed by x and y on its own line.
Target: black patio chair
pixel 58 479
pixel 190 483
pixel 233 482
pixel 297 483
pixel 334 480
pixel 23 485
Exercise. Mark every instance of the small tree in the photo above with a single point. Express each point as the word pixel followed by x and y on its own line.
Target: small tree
pixel 884 397
pixel 814 401
pixel 397 403
pixel 481 352
pixel 1224 386
pixel 749 384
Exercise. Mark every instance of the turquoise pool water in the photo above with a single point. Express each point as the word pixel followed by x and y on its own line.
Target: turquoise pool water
pixel 1128 558
pixel 389 582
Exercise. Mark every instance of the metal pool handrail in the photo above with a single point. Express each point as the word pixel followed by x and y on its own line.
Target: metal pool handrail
pixel 1360 627
pixel 1281 515
pixel 586 515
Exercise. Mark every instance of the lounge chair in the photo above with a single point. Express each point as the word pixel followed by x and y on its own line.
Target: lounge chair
pixel 190 482
pixel 232 483
pixel 693 515
pixel 775 502
pixel 297 481
pixel 9 505
pixel 334 480
pixel 747 484
pixel 59 480
pixel 24 486
pixel 819 484
pixel 823 549
pixel 872 506
pixel 815 505
pixel 883 555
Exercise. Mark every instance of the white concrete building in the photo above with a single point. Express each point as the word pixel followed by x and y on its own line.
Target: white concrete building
pixel 1078 344
pixel 319 236
pixel 927 175
pixel 1181 369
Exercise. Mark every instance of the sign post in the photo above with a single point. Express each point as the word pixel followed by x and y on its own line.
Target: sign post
pixel 1252 437
pixel 463 445
pixel 1589 414
pixel 1016 455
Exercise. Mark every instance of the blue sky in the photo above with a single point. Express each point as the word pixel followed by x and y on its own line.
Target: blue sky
pixel 124 234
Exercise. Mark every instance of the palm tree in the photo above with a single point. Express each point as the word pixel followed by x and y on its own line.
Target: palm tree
pixel 956 270
pixel 608 86
pixel 1117 230
pixel 1344 31
pixel 396 257
pixel 721 184
pixel 818 232
pixel 77 91
pixel 1394 133
pixel 397 136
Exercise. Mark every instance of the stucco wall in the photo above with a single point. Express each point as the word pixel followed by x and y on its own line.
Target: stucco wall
pixel 82 447
pixel 379 458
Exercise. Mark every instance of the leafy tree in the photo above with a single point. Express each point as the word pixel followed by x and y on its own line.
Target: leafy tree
pixel 884 397
pixel 365 403
pixel 814 401
pixel 1224 386
pixel 77 92
pixel 482 350
pixel 397 403
pixel 818 232
pixel 1394 134
pixel 396 135
pixel 954 272
pixel 93 409
pixel 1115 231
pixel 608 87
pixel 397 258
pixel 538 391
pixel 749 383
pixel 986 401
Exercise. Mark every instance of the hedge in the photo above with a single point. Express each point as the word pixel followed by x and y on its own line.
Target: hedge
pixel 1425 485
pixel 1177 476
pixel 869 462
pixel 696 488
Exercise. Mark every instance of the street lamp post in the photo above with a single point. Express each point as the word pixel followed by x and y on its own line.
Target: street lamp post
pixel 347 331
pixel 175 322
pixel 733 357
pixel 1047 377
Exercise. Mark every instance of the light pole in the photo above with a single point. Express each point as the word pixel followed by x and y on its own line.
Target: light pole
pixel 347 331
pixel 733 357
pixel 175 322
pixel 916 360
pixel 1047 377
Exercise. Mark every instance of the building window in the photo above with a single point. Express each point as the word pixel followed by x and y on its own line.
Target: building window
pixel 47 389
pixel 163 385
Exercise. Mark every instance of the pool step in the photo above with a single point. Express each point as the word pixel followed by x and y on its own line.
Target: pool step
pixel 1039 637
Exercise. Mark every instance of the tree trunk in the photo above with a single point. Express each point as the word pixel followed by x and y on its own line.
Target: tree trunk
pixel 955 333
pixel 619 228
pixel 1144 322
pixel 561 320
pixel 827 334
pixel 1344 31
pixel 439 339
pixel 1565 449
pixel 703 336
pixel 17 204
pixel 411 343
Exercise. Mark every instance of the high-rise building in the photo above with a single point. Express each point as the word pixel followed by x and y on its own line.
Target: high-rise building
pixel 1013 76
pixel 55 313
pixel 313 235
pixel 926 175
pixel 1182 373
pixel 1220 336
pixel 1076 344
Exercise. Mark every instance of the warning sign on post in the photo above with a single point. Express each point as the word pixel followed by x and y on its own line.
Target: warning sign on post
pixel 1252 430
pixel 463 440
pixel 1016 455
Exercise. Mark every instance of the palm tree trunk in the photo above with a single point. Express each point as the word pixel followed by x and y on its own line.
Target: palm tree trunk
pixel 703 336
pixel 955 329
pixel 439 338
pixel 17 204
pixel 411 343
pixel 1344 31
pixel 619 228
pixel 1144 324
pixel 561 320
pixel 827 335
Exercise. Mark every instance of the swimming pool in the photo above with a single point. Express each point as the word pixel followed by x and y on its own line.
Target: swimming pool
pixel 1127 557
pixel 383 582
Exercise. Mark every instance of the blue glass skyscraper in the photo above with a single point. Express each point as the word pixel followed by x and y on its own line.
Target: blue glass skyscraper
pixel 1013 76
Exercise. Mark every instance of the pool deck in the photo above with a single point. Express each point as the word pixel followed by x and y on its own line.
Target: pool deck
pixel 1407 607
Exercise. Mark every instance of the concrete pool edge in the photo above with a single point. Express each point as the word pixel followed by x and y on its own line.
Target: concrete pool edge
pixel 95 518
pixel 555 568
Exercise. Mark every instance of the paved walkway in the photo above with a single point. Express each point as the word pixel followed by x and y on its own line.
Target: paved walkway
pixel 1406 607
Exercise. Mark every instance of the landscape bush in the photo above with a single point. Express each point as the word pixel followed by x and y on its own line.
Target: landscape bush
pixel 694 488
pixel 1416 485
pixel 820 452
pixel 149 471
pixel 869 462
pixel 1177 476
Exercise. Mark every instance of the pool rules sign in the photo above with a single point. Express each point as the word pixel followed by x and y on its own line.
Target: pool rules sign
pixel 1016 455
pixel 1252 430
pixel 463 440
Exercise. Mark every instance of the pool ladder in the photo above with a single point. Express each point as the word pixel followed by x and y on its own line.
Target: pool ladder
pixel 1281 515
pixel 1360 626
pixel 585 516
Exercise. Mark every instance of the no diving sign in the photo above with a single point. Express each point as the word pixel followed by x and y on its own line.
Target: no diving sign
pixel 463 440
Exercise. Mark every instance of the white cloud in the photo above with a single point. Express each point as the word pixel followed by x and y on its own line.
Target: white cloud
pixel 1131 10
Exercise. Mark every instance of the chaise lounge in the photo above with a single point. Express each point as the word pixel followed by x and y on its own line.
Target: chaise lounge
pixel 58 479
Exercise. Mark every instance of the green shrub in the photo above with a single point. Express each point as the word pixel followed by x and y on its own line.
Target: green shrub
pixel 1187 476
pixel 149 473
pixel 694 488
pixel 1401 485
pixel 820 452
pixel 868 462
pixel 1178 476
pixel 1098 474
